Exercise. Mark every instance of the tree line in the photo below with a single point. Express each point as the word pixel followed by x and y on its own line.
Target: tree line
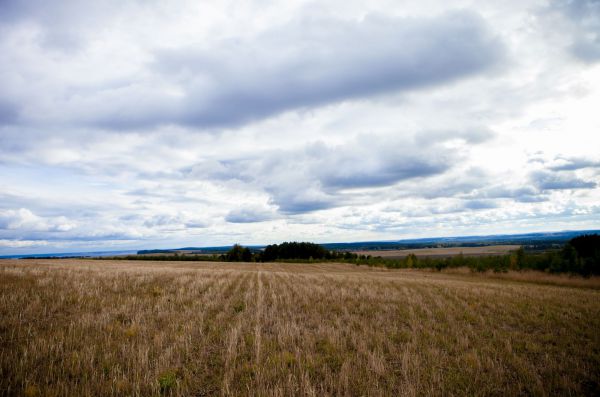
pixel 580 255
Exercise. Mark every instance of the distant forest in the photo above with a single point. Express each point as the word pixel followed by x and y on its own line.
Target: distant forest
pixel 580 255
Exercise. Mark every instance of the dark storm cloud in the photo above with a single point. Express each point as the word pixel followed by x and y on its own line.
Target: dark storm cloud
pixel 587 49
pixel 9 112
pixel 320 176
pixel 572 164
pixel 291 201
pixel 248 215
pixel 523 194
pixel 545 180
pixel 456 206
pixel 171 222
pixel 372 162
pixel 305 64
pixel 382 172
pixel 221 170
pixel 584 16
pixel 480 204
pixel 162 220
pixel 63 24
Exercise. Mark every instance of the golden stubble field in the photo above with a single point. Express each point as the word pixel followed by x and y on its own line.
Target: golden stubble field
pixel 101 328
pixel 443 252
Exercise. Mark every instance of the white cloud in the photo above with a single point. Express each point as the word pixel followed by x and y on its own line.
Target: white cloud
pixel 25 220
pixel 22 243
pixel 141 124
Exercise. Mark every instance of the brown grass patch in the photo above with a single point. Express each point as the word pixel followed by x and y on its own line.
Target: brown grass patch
pixel 99 328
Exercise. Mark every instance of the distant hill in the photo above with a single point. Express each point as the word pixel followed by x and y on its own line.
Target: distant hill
pixel 531 241
pixel 542 240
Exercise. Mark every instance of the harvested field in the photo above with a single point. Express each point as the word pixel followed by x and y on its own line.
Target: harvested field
pixel 443 252
pixel 100 328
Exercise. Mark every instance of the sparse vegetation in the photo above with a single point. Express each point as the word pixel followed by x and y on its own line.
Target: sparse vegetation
pixel 102 328
pixel 167 381
pixel 581 255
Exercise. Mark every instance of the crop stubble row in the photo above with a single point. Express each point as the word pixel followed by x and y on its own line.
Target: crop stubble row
pixel 119 328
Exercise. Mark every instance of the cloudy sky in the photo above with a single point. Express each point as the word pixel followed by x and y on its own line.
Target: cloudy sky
pixel 147 124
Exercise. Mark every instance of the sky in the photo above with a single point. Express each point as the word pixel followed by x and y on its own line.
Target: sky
pixel 154 124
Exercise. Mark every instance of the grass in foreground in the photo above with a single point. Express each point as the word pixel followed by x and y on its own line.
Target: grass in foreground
pixel 98 328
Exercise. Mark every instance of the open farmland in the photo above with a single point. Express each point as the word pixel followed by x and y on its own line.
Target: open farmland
pixel 442 251
pixel 90 327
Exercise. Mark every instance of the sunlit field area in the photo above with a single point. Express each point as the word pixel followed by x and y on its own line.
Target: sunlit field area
pixel 143 328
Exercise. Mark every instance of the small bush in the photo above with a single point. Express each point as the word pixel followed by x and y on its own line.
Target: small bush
pixel 168 380
pixel 239 307
pixel 237 253
pixel 31 391
pixel 131 331
pixel 156 291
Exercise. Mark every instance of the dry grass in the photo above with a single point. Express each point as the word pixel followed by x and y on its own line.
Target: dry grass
pixel 157 328
pixel 529 276
pixel 443 252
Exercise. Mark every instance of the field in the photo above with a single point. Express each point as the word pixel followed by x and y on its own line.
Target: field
pixel 100 328
pixel 443 251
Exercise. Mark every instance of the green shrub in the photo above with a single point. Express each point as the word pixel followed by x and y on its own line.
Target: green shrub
pixel 168 380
